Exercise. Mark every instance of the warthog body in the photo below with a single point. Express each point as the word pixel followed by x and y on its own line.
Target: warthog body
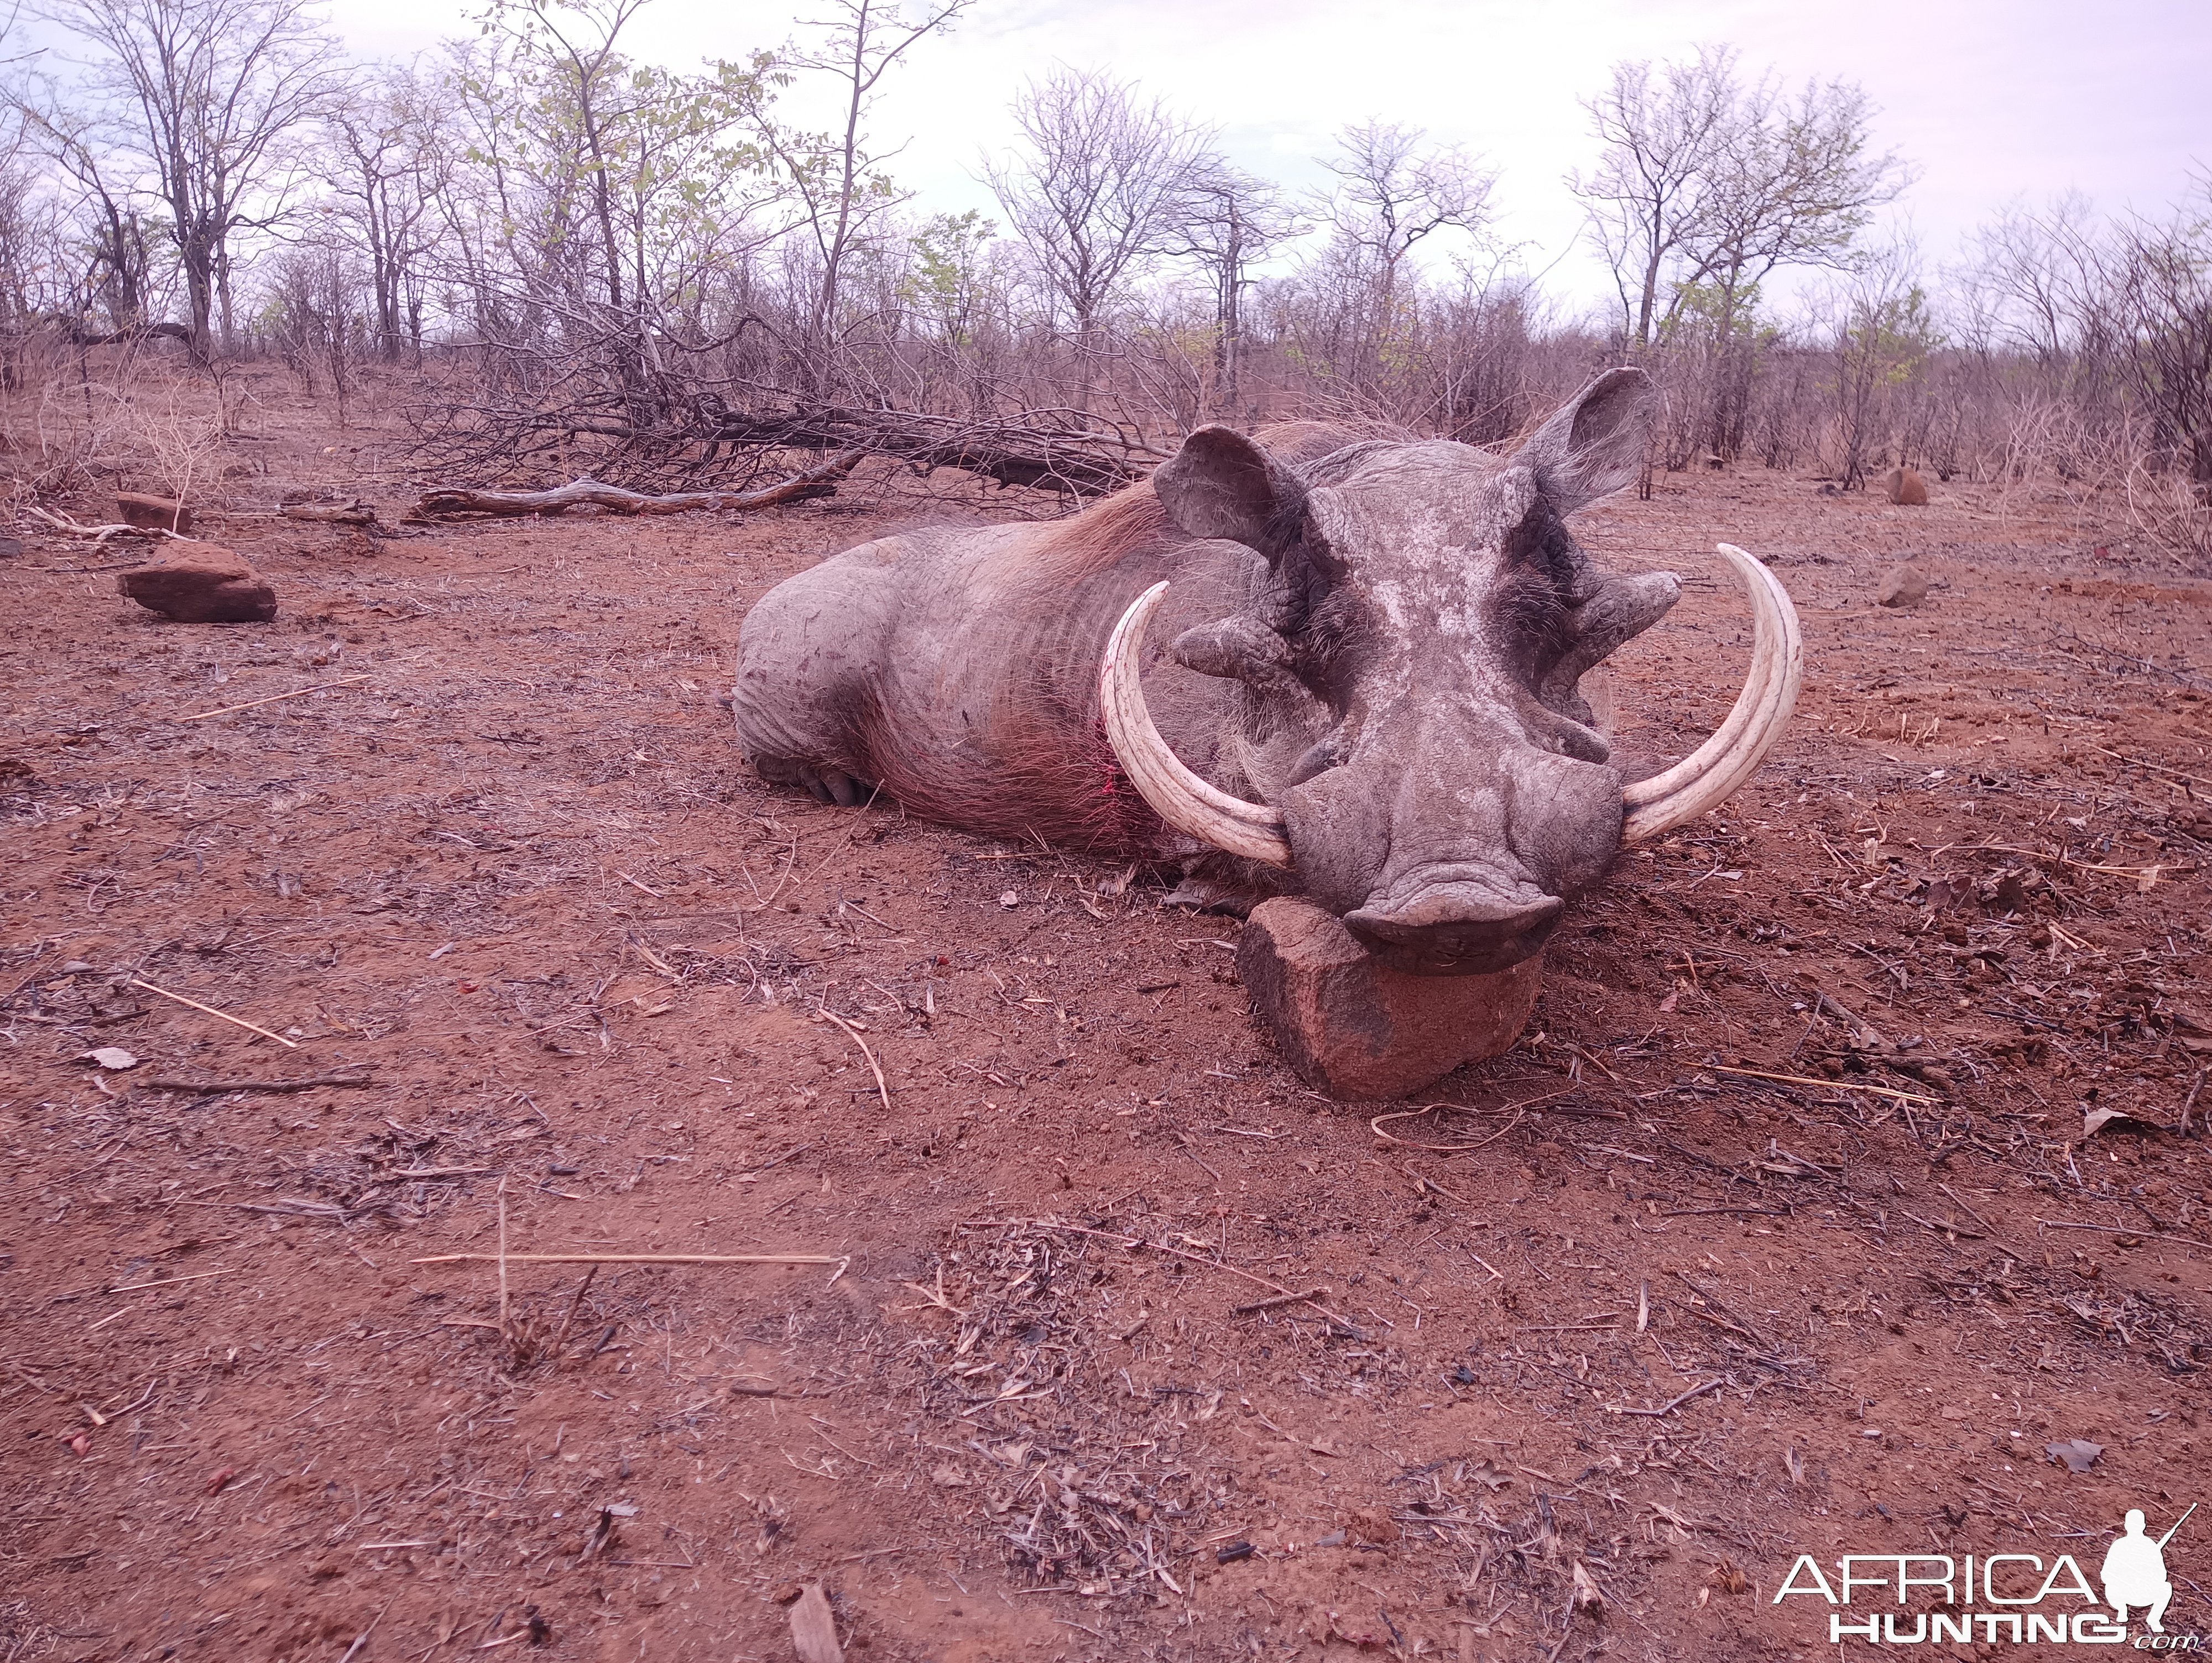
pixel 1368 650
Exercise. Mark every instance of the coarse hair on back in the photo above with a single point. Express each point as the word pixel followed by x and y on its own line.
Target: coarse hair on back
pixel 1102 536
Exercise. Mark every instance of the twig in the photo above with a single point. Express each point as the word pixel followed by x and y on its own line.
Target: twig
pixel 202 1275
pixel 582 1288
pixel 1130 1243
pixel 361 1639
pixel 503 1256
pixel 1992 1229
pixel 635 1258
pixel 1316 1295
pixel 202 715
pixel 1669 1408
pixel 219 1087
pixel 1832 1085
pixel 2158 768
pixel 854 1034
pixel 235 1021
pixel 2122 1229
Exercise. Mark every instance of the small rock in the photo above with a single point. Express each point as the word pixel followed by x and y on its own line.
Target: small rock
pixel 1905 488
pixel 205 584
pixel 814 1629
pixel 1373 1525
pixel 1009 898
pixel 155 513
pixel 111 1057
pixel 10 547
pixel 2078 1454
pixel 1358 1029
pixel 1906 585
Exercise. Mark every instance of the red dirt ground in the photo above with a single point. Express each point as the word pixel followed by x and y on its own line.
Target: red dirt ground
pixel 515 875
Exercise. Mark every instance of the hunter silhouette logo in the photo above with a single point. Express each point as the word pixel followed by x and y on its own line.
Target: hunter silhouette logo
pixel 1995 1598
pixel 2134 1570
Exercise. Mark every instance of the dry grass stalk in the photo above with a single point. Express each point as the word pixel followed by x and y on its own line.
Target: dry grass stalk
pixel 635 1259
pixel 854 1034
pixel 1832 1085
pixel 202 715
pixel 209 1009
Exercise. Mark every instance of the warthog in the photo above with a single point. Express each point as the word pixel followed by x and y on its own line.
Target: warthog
pixel 1341 668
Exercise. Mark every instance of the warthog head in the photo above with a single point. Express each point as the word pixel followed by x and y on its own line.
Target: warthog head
pixel 1411 719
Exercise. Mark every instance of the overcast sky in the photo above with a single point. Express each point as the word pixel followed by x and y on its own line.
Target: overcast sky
pixel 1990 101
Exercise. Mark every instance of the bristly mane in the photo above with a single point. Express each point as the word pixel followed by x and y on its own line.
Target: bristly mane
pixel 1101 537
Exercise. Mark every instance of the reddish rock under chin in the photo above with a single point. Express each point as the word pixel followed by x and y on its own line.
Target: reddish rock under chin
pixel 1359 1030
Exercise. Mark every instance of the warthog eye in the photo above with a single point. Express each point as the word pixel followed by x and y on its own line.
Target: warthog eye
pixel 1317 758
pixel 1531 609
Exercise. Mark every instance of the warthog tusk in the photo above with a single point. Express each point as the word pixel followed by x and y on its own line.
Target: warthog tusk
pixel 1177 796
pixel 1709 775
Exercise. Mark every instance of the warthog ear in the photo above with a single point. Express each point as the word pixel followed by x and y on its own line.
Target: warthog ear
pixel 1221 485
pixel 1590 446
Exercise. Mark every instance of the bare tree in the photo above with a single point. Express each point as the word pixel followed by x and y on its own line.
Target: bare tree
pixel 1391 194
pixel 1793 183
pixel 1883 337
pixel 1100 196
pixel 205 96
pixel 844 199
pixel 393 168
pixel 1228 223
pixel 1644 198
pixel 1394 192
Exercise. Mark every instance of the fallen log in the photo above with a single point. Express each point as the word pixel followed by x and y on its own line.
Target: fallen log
pixel 815 482
pixel 332 514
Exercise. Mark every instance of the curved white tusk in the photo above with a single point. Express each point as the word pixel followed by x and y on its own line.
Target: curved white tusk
pixel 1177 796
pixel 1709 775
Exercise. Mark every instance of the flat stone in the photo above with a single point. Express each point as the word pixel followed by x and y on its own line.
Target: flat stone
pixel 204 583
pixel 155 513
pixel 1906 585
pixel 1358 1030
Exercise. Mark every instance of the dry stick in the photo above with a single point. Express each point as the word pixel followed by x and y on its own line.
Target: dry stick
pixel 1128 1242
pixel 202 715
pixel 1994 1234
pixel 854 1034
pixel 1669 1408
pixel 635 1258
pixel 2122 1229
pixel 1258 1305
pixel 2159 767
pixel 133 1287
pixel 235 1021
pixel 218 1088
pixel 2189 1102
pixel 360 1640
pixel 1832 1085
pixel 2136 872
pixel 581 1289
pixel 503 1256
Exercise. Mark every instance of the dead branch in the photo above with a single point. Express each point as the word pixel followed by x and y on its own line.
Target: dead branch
pixel 818 481
pixel 332 514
